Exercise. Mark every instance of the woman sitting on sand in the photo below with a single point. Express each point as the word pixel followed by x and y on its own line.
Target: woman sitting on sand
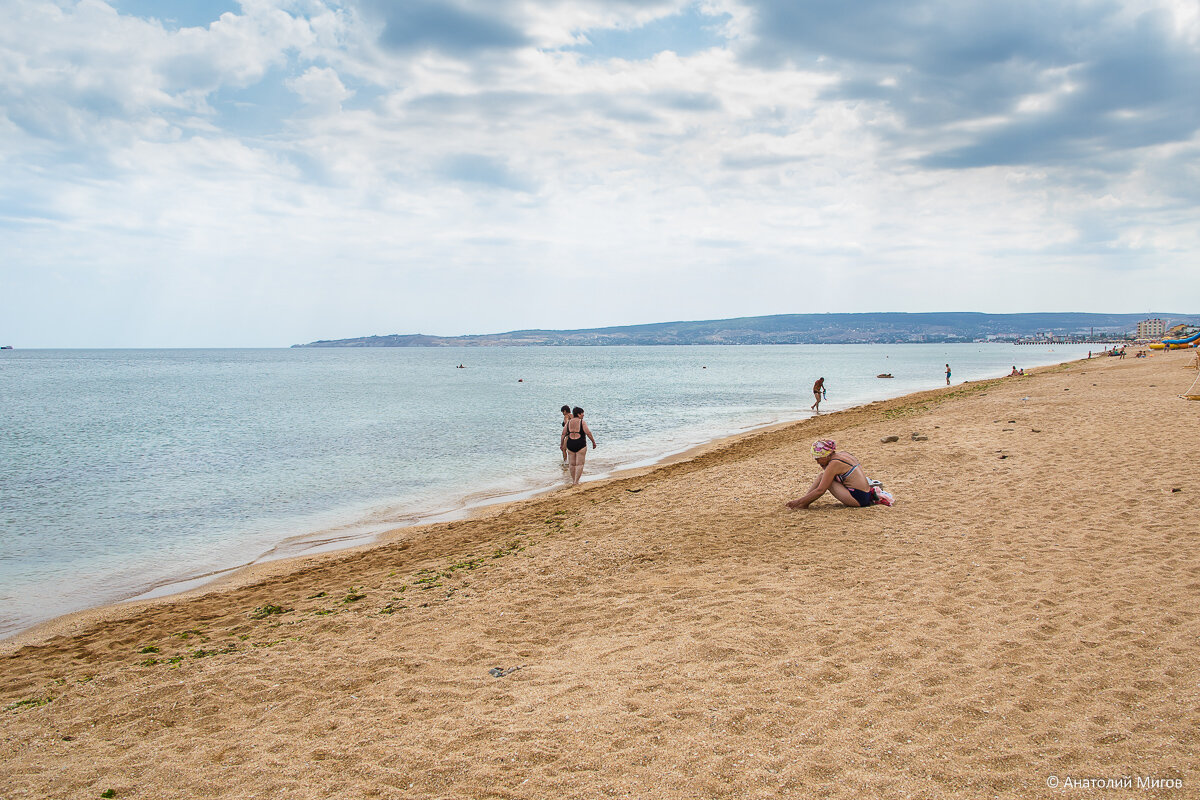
pixel 573 434
pixel 842 476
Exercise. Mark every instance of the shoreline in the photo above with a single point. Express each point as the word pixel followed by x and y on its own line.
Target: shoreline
pixel 361 524
pixel 319 543
pixel 267 565
pixel 677 632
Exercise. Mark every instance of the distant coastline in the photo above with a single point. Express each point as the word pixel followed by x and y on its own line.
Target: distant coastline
pixel 867 328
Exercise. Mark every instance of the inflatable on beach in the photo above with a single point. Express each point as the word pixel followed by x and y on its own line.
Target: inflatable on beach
pixel 1189 341
pixel 1194 337
pixel 1177 344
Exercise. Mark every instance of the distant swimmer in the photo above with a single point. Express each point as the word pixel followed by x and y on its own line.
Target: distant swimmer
pixel 562 443
pixel 460 366
pixel 573 439
pixel 947 374
pixel 842 476
pixel 818 393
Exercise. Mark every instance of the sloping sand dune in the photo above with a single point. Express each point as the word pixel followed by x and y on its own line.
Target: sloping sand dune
pixel 1028 612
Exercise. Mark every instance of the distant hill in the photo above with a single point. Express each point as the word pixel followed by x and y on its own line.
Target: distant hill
pixel 881 327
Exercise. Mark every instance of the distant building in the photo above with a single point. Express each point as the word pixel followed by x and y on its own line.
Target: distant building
pixel 1151 329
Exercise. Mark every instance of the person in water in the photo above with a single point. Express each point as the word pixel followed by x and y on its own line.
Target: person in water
pixel 562 443
pixel 573 439
pixel 818 393
pixel 842 476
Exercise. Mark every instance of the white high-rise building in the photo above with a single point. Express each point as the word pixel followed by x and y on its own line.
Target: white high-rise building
pixel 1151 329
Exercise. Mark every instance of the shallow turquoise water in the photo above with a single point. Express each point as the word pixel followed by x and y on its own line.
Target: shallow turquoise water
pixel 122 470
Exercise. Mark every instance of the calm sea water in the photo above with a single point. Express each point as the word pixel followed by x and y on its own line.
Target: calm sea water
pixel 126 470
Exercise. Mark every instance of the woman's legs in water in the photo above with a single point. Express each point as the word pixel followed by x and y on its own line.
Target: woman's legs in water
pixel 575 461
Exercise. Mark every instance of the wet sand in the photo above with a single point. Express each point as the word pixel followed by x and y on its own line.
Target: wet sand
pixel 1028 612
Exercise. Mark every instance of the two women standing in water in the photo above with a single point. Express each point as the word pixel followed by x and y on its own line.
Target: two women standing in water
pixel 575 433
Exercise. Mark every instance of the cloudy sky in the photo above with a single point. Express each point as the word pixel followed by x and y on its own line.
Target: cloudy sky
pixel 265 172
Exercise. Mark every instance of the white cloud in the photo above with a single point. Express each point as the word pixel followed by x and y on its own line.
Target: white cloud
pixel 320 87
pixel 282 176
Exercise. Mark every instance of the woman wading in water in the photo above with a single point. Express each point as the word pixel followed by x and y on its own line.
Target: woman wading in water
pixel 573 439
pixel 562 442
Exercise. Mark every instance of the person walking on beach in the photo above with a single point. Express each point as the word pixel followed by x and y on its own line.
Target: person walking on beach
pixel 562 444
pixel 573 433
pixel 818 393
pixel 842 476
pixel 947 374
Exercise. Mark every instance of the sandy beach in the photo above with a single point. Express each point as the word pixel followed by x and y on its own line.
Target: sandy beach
pixel 1026 616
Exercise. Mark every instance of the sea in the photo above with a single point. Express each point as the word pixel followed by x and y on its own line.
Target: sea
pixel 137 473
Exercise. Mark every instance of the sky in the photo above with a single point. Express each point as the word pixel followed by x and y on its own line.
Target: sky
pixel 214 173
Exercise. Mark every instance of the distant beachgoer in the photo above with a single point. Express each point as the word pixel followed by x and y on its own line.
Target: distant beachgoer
pixel 1014 372
pixel 818 393
pixel 566 412
pixel 947 374
pixel 842 476
pixel 573 433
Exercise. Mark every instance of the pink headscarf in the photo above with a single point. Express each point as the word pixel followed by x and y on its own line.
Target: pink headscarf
pixel 823 447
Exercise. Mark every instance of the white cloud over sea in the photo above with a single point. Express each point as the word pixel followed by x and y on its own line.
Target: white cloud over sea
pixel 275 171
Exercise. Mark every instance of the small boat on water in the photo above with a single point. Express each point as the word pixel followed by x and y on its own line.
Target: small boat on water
pixel 884 375
pixel 7 347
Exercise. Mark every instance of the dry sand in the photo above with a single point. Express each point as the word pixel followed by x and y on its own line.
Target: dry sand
pixel 1027 612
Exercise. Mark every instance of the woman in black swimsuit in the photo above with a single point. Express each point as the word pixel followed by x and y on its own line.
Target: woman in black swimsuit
pixel 842 476
pixel 573 439
pixel 562 443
